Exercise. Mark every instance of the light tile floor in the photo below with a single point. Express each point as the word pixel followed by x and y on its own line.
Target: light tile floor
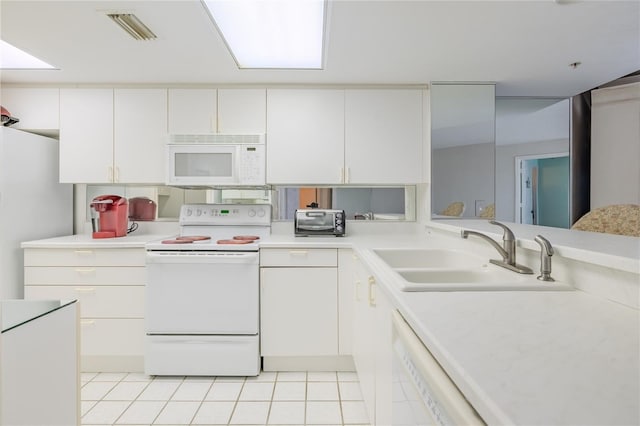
pixel 284 398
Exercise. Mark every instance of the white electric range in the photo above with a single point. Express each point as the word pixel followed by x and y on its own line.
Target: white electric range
pixel 202 293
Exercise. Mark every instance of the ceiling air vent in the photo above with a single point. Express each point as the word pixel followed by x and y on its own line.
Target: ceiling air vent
pixel 132 25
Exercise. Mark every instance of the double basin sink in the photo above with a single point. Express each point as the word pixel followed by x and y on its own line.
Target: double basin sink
pixel 454 270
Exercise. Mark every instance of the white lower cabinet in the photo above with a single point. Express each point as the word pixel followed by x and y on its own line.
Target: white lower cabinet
pixel 345 301
pixel 302 316
pixel 372 352
pixel 109 285
pixel 299 312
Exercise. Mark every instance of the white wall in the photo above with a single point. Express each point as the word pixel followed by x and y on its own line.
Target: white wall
pixel 615 145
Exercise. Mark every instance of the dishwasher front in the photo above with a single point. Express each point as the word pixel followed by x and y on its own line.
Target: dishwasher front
pixel 423 394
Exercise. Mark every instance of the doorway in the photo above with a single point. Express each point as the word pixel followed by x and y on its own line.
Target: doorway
pixel 542 190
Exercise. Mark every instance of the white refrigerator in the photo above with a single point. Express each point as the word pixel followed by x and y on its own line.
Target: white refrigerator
pixel 33 205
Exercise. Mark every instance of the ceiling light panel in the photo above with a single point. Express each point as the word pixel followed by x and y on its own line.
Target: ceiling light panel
pixel 132 25
pixel 272 33
pixel 12 57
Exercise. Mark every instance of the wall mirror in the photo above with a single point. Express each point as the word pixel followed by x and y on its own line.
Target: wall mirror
pixel 462 150
pixel 533 161
pixel 168 199
pixel 359 203
pixel 502 158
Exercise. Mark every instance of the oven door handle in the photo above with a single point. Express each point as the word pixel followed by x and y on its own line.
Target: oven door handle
pixel 161 257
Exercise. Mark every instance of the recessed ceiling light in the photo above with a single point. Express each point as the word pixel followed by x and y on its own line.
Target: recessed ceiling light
pixel 14 58
pixel 272 33
pixel 132 25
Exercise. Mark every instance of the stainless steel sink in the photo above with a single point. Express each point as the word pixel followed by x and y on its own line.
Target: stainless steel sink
pixel 428 258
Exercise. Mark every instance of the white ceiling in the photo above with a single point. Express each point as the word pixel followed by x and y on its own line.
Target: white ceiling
pixel 524 46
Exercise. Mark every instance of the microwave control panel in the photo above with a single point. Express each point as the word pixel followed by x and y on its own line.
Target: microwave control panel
pixel 252 165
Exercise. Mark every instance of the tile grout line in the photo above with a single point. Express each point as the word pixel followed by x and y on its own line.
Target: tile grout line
pixel 235 404
pixel 103 396
pixel 195 413
pixel 340 400
pixel 306 380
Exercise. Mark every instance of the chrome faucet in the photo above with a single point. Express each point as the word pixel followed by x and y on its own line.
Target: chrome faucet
pixel 546 251
pixel 507 251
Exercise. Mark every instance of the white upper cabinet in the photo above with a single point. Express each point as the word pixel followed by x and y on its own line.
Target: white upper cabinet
pixel 37 108
pixel 229 111
pixel 305 136
pixel 140 135
pixel 242 111
pixel 192 111
pixel 86 135
pixel 112 136
pixel 372 136
pixel 383 136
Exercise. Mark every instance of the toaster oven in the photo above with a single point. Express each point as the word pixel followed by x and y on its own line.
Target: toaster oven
pixel 312 222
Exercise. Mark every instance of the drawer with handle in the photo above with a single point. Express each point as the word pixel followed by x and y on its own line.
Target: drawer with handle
pixel 298 257
pixel 84 257
pixel 95 301
pixel 92 275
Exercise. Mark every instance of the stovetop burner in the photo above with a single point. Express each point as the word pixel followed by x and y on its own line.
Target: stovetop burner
pixel 218 227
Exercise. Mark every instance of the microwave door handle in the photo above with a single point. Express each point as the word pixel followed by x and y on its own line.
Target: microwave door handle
pixel 315 214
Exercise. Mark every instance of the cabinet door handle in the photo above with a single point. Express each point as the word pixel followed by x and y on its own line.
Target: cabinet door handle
pixel 87 323
pixel 372 293
pixel 356 291
pixel 298 252
pixel 110 174
pixel 116 177
pixel 81 252
pixel 87 290
pixel 341 174
pixel 347 177
pixel 85 270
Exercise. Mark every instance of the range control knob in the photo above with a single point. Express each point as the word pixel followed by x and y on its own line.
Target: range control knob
pixel 339 228
pixel 198 212
pixel 261 213
pixel 252 213
pixel 189 212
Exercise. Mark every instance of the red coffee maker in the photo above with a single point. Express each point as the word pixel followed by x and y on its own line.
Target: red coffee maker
pixel 109 216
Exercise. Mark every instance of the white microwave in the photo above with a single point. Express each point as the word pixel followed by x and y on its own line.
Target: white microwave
pixel 214 159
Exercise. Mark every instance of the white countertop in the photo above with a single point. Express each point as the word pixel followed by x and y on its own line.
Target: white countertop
pixel 528 357
pixel 535 358
pixel 519 357
pixel 86 241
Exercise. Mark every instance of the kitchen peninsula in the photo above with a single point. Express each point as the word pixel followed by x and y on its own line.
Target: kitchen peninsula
pixel 519 357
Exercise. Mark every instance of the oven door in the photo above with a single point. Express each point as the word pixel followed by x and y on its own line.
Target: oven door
pixel 202 293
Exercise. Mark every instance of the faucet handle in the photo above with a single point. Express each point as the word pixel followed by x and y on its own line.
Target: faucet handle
pixel 508 234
